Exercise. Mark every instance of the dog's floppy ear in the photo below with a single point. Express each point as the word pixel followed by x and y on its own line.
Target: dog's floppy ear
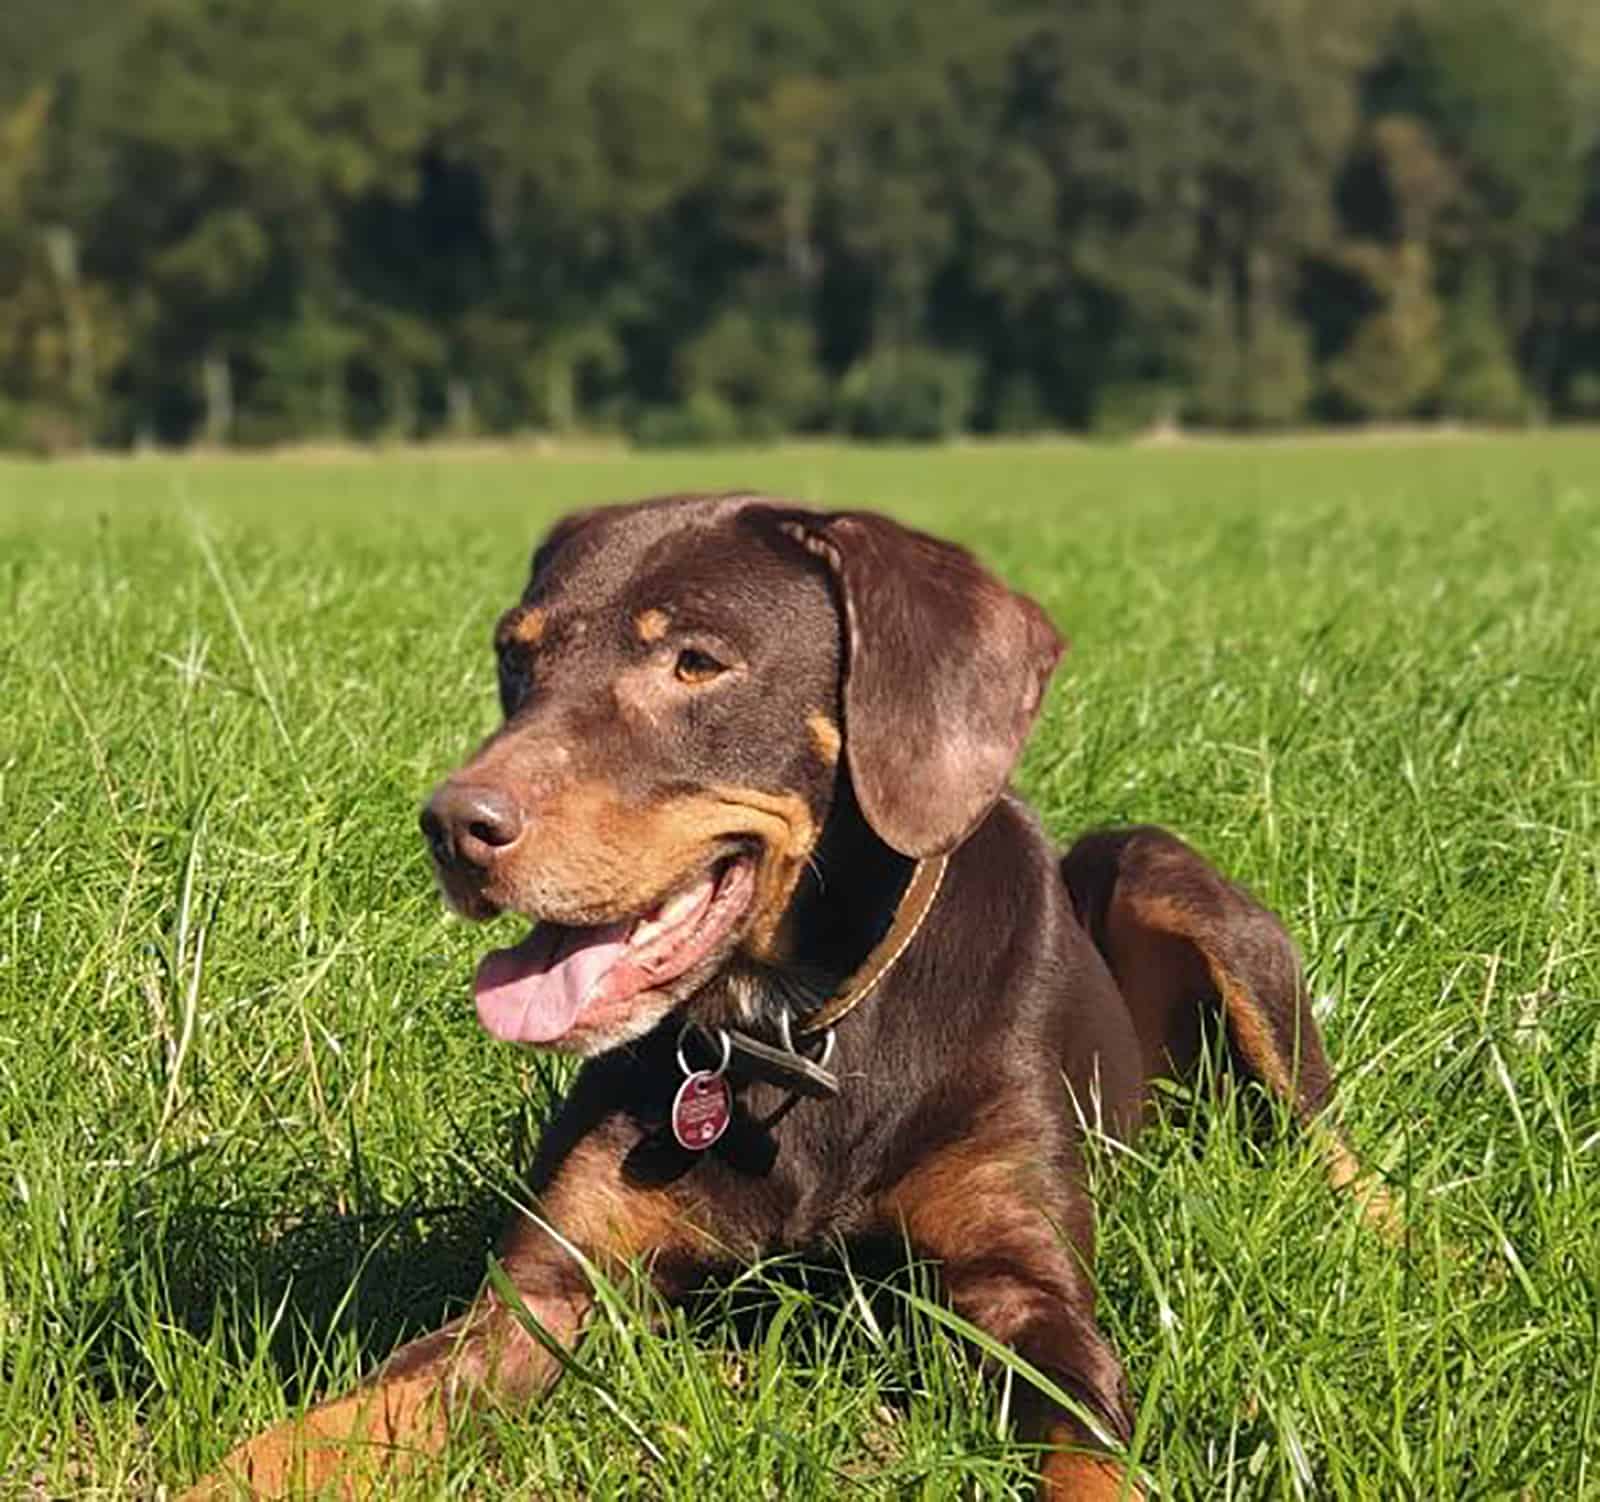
pixel 945 669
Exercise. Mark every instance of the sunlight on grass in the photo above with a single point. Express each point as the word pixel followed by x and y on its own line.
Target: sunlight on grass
pixel 250 1135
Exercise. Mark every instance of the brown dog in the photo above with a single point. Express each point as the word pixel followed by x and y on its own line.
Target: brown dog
pixel 750 791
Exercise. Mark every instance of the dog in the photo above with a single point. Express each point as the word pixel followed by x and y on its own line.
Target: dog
pixel 829 977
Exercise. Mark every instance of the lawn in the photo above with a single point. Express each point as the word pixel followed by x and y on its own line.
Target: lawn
pixel 250 1133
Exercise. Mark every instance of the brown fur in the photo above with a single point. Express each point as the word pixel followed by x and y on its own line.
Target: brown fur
pixel 871 691
pixel 1077 1477
pixel 643 852
pixel 593 1206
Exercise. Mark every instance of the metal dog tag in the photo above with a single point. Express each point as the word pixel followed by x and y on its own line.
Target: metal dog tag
pixel 701 1110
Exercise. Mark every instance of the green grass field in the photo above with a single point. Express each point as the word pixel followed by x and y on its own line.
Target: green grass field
pixel 250 1133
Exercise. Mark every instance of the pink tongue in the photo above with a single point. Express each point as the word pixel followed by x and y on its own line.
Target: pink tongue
pixel 532 992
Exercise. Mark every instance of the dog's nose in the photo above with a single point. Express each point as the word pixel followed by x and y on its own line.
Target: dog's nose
pixel 471 823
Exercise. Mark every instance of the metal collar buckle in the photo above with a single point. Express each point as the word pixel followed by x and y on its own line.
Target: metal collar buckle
pixel 781 1064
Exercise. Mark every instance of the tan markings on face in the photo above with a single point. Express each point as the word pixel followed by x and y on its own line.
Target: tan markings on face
pixel 824 736
pixel 788 835
pixel 641 854
pixel 525 624
pixel 601 858
pixel 651 625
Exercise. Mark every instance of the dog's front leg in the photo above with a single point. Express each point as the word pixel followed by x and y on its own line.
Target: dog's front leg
pixel 408 1408
pixel 1012 1258
pixel 1040 1307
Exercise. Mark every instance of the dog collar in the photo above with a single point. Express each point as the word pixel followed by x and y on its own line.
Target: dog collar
pixel 913 908
pixel 785 1063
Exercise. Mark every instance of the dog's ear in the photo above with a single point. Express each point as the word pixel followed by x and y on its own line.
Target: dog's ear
pixel 945 669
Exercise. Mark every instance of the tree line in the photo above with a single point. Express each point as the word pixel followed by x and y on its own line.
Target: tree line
pixel 250 221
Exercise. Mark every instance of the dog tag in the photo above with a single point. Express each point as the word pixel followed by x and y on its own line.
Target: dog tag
pixel 701 1110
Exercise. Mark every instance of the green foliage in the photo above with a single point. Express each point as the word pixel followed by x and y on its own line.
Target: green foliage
pixel 299 387
pixel 1255 376
pixel 1136 408
pixel 703 420
pixel 763 369
pixel 16 431
pixel 1481 382
pixel 917 394
pixel 316 217
pixel 1393 365
pixel 225 142
pixel 1277 372
pixel 747 378
pixel 1018 408
pixel 1490 79
pixel 1584 395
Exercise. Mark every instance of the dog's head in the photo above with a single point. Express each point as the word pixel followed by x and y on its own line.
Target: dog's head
pixel 685 682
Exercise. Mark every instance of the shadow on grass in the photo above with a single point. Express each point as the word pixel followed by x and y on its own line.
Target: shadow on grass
pixel 365 1275
pixel 374 1277
pixel 298 1282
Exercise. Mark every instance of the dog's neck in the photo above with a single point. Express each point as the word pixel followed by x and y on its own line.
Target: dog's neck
pixel 845 904
pixel 848 898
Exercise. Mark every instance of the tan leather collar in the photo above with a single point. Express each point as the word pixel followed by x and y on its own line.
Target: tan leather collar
pixel 784 1064
pixel 916 902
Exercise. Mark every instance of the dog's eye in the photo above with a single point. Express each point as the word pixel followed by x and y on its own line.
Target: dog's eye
pixel 695 666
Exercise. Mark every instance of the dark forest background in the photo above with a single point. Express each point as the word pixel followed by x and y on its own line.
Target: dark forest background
pixel 253 221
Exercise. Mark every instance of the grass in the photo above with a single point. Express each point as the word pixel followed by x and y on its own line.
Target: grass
pixel 250 1134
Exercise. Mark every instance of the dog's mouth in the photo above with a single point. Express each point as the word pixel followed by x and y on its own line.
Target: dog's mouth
pixel 562 979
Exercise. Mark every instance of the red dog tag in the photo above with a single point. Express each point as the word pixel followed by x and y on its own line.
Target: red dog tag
pixel 701 1110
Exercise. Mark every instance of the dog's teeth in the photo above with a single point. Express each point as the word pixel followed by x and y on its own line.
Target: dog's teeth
pixel 678 907
pixel 645 930
pixel 668 915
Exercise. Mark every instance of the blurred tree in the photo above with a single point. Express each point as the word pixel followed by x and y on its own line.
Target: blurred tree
pixel 583 123
pixel 764 369
pixel 60 336
pixel 718 218
pixel 217 146
pixel 23 305
pixel 1480 381
pixel 1489 83
pixel 37 37
pixel 1391 369
pixel 1562 349
pixel 1180 157
pixel 915 394
pixel 1487 79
